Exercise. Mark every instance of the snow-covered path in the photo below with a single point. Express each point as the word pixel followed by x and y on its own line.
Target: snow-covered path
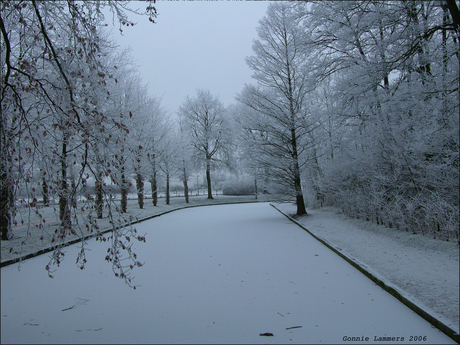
pixel 422 269
pixel 220 274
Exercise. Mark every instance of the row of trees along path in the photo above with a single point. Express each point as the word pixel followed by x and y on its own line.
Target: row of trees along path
pixel 354 104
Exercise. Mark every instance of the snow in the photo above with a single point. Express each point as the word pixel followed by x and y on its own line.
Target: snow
pixel 27 236
pixel 422 269
pixel 221 274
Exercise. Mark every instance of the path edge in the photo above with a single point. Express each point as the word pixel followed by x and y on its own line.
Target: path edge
pixel 415 308
pixel 89 236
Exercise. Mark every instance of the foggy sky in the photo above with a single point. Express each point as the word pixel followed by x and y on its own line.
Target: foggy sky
pixel 197 44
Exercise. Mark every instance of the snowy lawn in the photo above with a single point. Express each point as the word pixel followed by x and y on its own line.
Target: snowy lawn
pixel 29 239
pixel 221 274
pixel 424 270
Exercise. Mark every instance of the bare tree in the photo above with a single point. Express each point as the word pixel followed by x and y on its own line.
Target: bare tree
pixel 184 162
pixel 55 86
pixel 140 135
pixel 167 160
pixel 157 129
pixel 280 119
pixel 204 120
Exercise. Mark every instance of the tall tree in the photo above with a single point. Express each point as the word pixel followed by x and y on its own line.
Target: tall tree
pixel 184 153
pixel 167 160
pixel 157 129
pixel 280 119
pixel 141 107
pixel 205 123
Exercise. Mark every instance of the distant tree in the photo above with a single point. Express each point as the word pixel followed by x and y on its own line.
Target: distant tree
pixel 204 121
pixel 141 105
pixel 184 159
pixel 157 129
pixel 167 160
pixel 246 153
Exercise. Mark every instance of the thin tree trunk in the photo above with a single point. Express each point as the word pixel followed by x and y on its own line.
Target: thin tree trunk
pixel 153 182
pixel 184 180
pixel 153 186
pixel 186 192
pixel 167 188
pixel 124 190
pixel 444 64
pixel 73 194
pixel 208 177
pixel 140 190
pixel 99 202
pixel 5 217
pixel 139 183
pixel 46 199
pixel 64 210
pixel 265 182
pixel 99 199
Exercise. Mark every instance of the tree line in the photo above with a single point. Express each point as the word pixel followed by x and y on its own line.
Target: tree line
pixel 357 104
pixel 77 121
pixel 67 100
pixel 354 104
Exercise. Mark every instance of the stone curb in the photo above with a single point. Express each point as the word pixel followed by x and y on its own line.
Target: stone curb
pixel 68 243
pixel 428 317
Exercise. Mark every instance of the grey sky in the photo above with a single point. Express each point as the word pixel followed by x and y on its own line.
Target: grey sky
pixel 197 44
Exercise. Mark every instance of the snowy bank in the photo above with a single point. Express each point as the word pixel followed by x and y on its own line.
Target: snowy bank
pixel 424 270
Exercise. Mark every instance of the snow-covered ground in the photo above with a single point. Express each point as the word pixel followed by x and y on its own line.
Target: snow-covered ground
pixel 424 270
pixel 28 238
pixel 221 274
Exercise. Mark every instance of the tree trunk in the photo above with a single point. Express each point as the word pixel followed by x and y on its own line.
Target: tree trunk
pixel 184 180
pixel 299 199
pixel 297 181
pixel 208 177
pixel 167 189
pixel 186 192
pixel 265 182
pixel 153 186
pixel 454 12
pixel 444 65
pixel 46 200
pixel 124 190
pixel 5 217
pixel 4 214
pixel 99 202
pixel 153 182
pixel 99 198
pixel 295 156
pixel 73 193
pixel 139 183
pixel 140 190
pixel 255 186
pixel 64 209
pixel 5 185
